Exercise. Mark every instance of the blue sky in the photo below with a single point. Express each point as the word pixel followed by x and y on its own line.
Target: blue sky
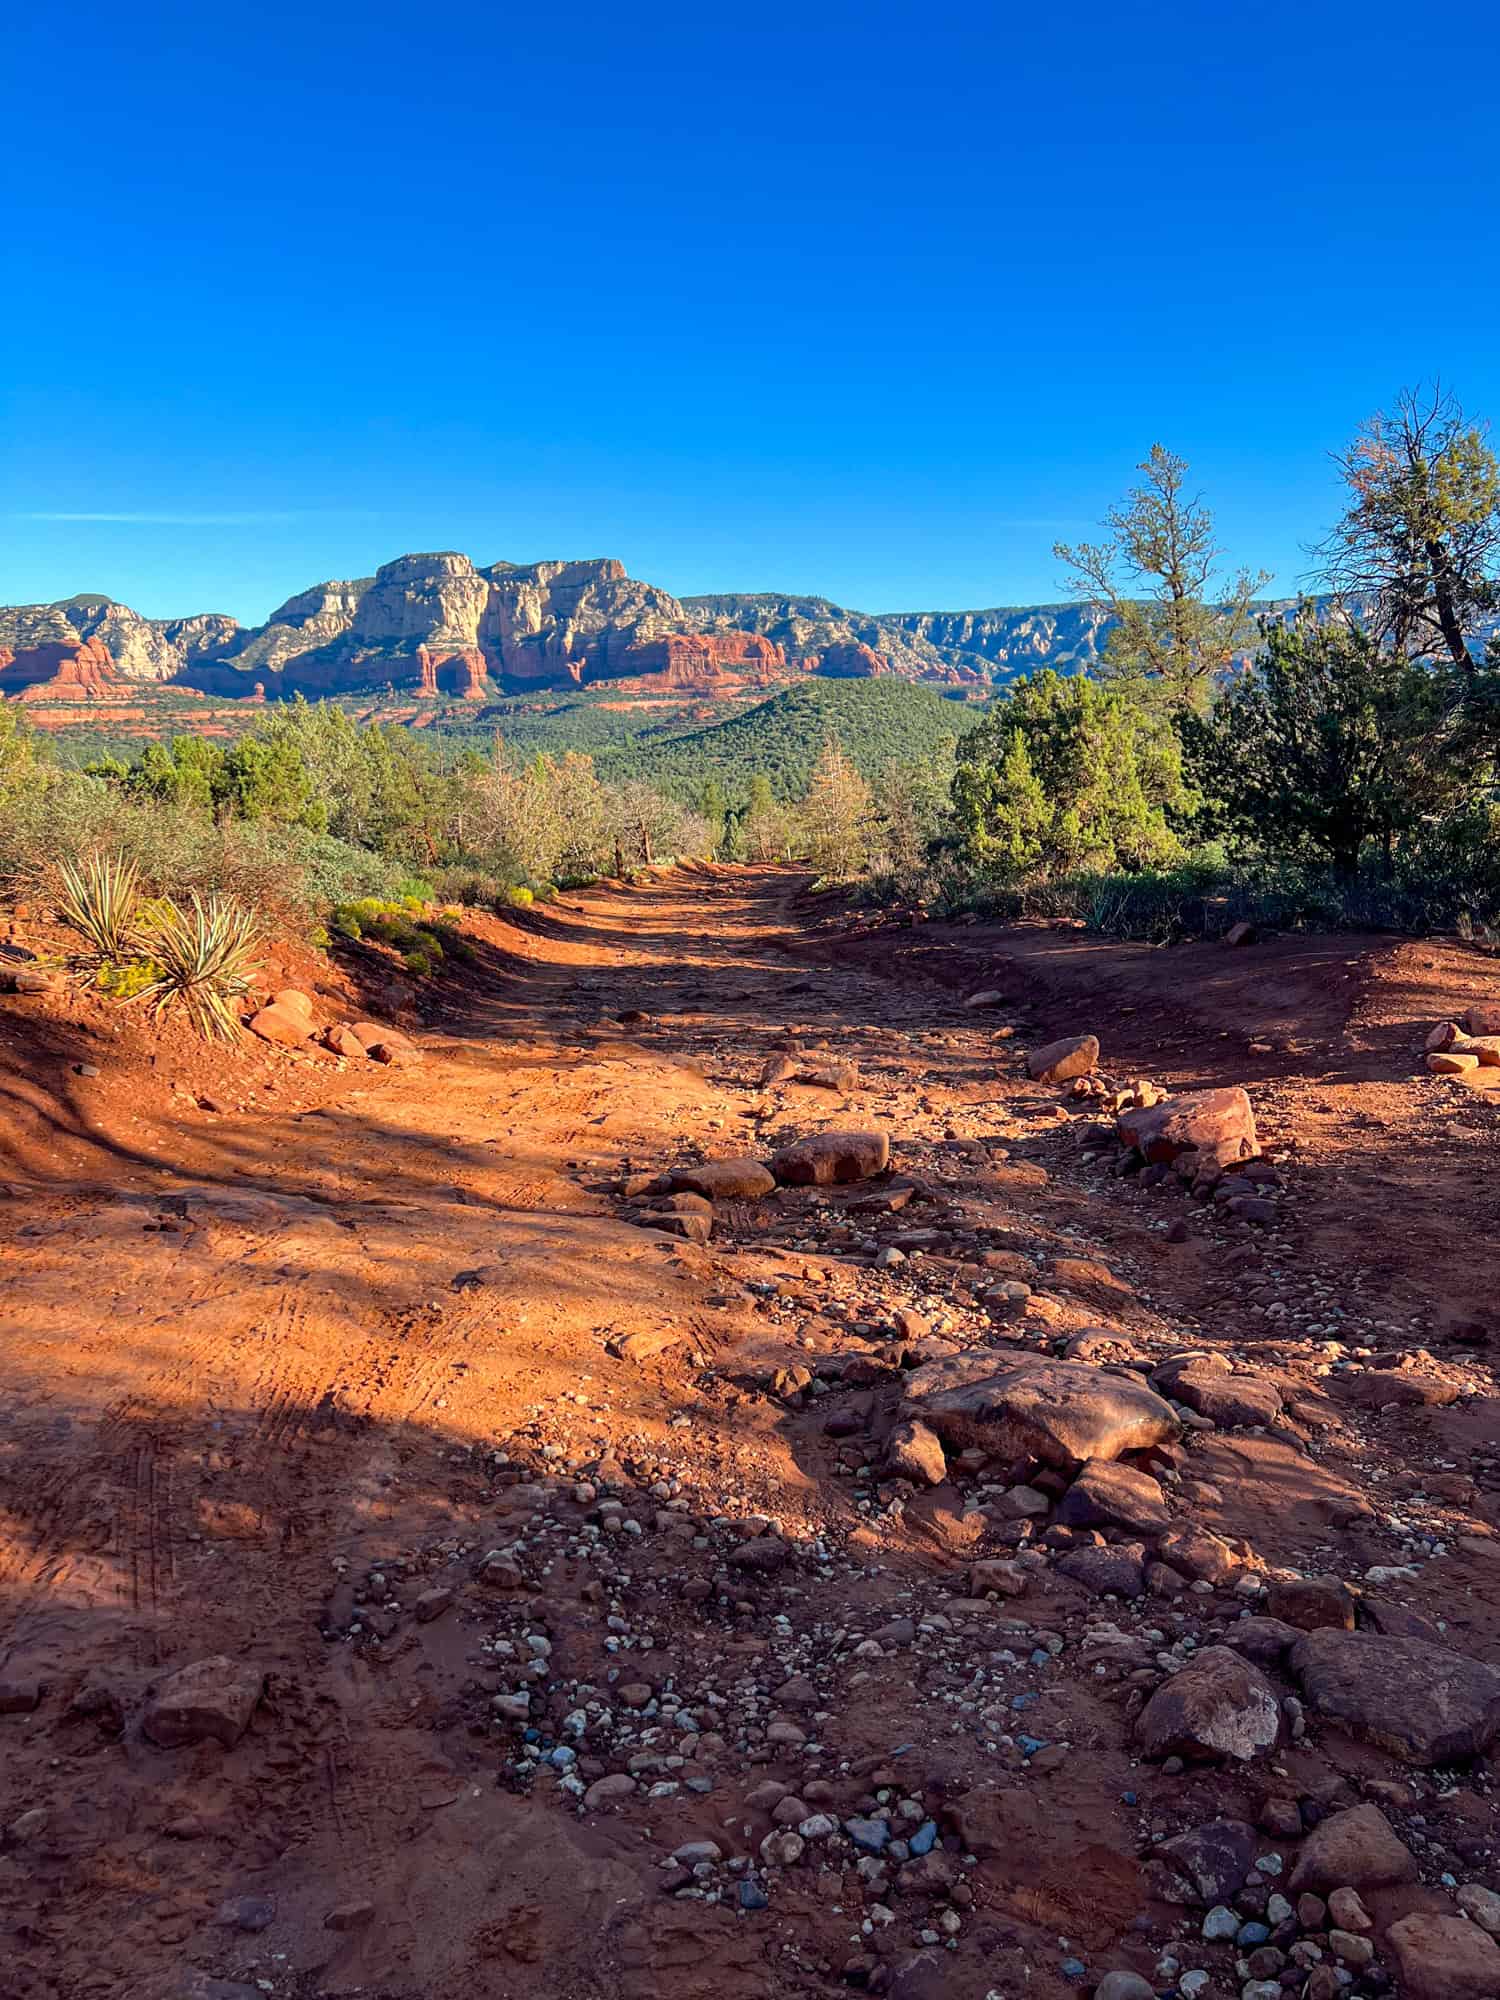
pixel 873 301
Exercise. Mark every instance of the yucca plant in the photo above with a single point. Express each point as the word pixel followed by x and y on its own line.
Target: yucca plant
pixel 206 955
pixel 99 900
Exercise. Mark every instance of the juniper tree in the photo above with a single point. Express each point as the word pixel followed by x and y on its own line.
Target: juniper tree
pixel 1417 550
pixel 1178 624
pixel 1070 773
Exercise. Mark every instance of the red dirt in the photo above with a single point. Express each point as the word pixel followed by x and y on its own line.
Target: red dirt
pixel 364 1324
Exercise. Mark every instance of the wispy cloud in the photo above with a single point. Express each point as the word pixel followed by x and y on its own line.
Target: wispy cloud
pixel 134 520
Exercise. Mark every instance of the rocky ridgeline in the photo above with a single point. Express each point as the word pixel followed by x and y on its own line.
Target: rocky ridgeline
pixel 443 626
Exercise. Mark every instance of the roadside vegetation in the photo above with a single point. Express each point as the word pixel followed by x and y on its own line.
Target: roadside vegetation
pixel 1334 764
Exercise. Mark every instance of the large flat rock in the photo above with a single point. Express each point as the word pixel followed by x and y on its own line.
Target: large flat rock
pixel 1421 1702
pixel 726 1180
pixel 826 1159
pixel 1063 1412
pixel 1216 1123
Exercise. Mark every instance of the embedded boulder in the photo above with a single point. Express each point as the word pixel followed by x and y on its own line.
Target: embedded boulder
pixel 826 1159
pixel 1444 1958
pixel 1108 1495
pixel 726 1180
pixel 1421 1702
pixel 1058 1062
pixel 1118 1569
pixel 385 1045
pixel 288 1027
pixel 1217 1125
pixel 1063 1412
pixel 1218 1706
pixel 1356 1849
pixel 1205 1384
pixel 210 1701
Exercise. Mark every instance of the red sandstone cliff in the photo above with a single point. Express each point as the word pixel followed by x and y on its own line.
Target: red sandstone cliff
pixel 83 671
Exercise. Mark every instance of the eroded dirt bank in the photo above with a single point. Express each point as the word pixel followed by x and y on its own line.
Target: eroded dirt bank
pixel 549 1546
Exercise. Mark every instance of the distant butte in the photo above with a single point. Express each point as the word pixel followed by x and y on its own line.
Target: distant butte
pixel 438 627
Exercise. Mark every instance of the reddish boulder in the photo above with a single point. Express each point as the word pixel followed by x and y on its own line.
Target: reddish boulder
pixel 1063 1412
pixel 726 1180
pixel 1355 1849
pixel 1218 1705
pixel 1198 1555
pixel 1058 1062
pixel 1444 1958
pixel 1423 1703
pixel 1208 1864
pixel 1116 1570
pixel 828 1158
pixel 1108 1495
pixel 385 1045
pixel 1205 1384
pixel 914 1452
pixel 995 1573
pixel 1451 1062
pixel 210 1701
pixel 396 1051
pixel 286 1026
pixel 1217 1125
pixel 1312 1602
pixel 1265 1640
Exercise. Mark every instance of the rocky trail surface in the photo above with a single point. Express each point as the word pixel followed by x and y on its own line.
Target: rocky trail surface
pixel 719 1482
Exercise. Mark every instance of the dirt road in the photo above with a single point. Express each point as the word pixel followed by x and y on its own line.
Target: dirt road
pixel 382 1391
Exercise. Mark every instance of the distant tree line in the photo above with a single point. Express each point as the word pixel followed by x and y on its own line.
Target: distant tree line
pixel 1347 752
pixel 1356 740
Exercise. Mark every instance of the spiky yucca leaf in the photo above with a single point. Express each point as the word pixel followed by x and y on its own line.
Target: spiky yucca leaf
pixel 99 899
pixel 206 955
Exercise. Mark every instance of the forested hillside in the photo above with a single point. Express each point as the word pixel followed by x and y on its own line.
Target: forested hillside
pixel 876 722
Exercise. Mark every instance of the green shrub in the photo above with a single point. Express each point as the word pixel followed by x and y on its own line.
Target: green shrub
pixel 390 923
pixel 99 900
pixel 520 897
pixel 450 942
pixel 1203 898
pixel 127 979
pixel 470 888
pixel 205 957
